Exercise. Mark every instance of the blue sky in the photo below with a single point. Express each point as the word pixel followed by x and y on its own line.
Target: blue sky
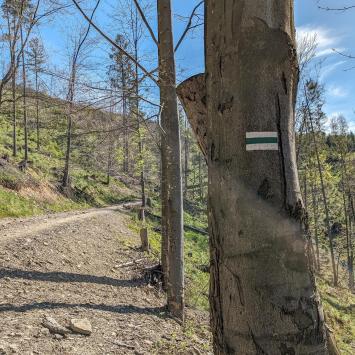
pixel 333 29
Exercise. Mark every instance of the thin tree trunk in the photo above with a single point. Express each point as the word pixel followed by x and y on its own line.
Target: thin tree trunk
pixel 125 123
pixel 66 175
pixel 109 163
pixel 171 162
pixel 348 218
pixel 310 246
pixel 316 232
pixel 144 230
pixel 37 105
pixel 351 247
pixel 200 178
pixel 14 114
pixel 194 181
pixel 324 194
pixel 25 161
pixel 187 158
pixel 164 212
pixel 263 294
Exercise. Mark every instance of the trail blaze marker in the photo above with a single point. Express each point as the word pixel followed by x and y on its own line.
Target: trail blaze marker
pixel 262 141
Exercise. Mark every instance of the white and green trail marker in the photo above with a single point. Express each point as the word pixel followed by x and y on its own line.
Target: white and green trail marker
pixel 262 141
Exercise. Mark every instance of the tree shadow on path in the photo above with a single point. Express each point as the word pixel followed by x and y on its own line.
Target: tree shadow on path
pixel 65 277
pixel 121 309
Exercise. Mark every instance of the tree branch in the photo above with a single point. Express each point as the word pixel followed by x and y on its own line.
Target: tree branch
pixel 141 13
pixel 188 26
pixel 113 43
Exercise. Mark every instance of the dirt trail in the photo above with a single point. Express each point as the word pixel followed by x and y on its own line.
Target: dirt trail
pixel 69 266
pixel 15 228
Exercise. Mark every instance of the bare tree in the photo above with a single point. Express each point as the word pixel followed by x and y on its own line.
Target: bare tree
pixel 79 42
pixel 37 58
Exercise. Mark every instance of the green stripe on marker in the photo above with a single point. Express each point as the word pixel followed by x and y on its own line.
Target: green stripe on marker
pixel 261 140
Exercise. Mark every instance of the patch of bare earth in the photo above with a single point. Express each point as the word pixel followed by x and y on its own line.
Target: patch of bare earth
pixel 69 266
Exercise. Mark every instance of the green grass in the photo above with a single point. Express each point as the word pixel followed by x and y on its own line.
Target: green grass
pixel 339 309
pixel 13 205
pixel 196 259
pixel 89 188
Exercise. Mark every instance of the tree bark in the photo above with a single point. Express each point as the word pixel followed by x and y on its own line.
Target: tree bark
pixel 186 160
pixel 144 240
pixel 263 294
pixel 192 95
pixel 172 211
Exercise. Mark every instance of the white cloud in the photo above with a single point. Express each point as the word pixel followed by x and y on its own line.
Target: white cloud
pixel 328 69
pixel 325 38
pixel 337 91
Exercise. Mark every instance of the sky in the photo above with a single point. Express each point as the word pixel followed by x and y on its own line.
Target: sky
pixel 334 30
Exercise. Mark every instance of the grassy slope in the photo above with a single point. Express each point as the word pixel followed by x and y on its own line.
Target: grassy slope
pixel 339 308
pixel 36 191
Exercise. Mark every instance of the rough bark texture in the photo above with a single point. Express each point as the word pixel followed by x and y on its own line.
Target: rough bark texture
pixel 172 213
pixel 144 239
pixel 263 294
pixel 192 94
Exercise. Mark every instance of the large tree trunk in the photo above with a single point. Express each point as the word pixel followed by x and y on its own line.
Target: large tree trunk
pixel 172 212
pixel 263 294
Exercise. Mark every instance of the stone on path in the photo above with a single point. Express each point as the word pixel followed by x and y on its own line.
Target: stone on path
pixel 54 327
pixel 81 326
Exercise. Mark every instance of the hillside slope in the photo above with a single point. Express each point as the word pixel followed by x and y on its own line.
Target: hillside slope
pixel 33 192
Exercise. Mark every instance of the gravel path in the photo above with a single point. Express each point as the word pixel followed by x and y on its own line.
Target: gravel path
pixel 69 266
